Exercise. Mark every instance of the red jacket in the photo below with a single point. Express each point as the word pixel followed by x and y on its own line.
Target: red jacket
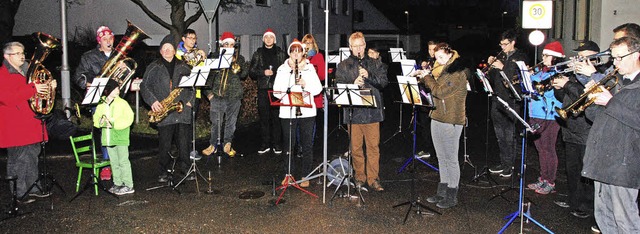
pixel 18 125
pixel 318 63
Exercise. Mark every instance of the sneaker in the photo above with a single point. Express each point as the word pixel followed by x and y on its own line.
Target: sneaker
pixel 27 200
pixel 497 168
pixel 191 177
pixel 538 184
pixel 114 188
pixel 595 229
pixel 39 194
pixel 228 150
pixel 264 150
pixel 277 150
pixel 125 190
pixel 195 156
pixel 163 178
pixel 546 188
pixel 359 184
pixel 423 154
pixel 209 150
pixel 580 214
pixel 506 173
pixel 376 186
pixel 562 204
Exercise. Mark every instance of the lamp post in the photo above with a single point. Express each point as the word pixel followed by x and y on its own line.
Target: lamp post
pixel 407 13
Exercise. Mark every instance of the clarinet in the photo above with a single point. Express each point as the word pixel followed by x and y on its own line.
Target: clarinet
pixel 297 77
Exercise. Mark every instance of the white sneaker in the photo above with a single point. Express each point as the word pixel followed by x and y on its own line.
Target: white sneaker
pixel 125 190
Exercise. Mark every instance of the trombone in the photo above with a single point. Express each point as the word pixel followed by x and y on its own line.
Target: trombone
pixel 584 100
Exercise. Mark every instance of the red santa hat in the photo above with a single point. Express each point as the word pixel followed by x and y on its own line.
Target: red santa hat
pixel 103 31
pixel 270 32
pixel 554 49
pixel 294 42
pixel 227 37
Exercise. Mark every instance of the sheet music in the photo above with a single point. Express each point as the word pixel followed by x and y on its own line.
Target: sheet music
pixel 223 61
pixel 358 97
pixel 343 53
pixel 397 54
pixel 408 66
pixel 94 91
pixel 485 82
pixel 526 76
pixel 411 91
pixel 198 75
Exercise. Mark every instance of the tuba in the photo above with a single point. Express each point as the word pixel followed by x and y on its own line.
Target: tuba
pixel 38 74
pixel 584 100
pixel 169 106
pixel 192 57
pixel 112 69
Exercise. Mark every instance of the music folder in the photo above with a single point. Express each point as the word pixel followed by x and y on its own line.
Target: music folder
pixel 526 77
pixel 283 98
pixel 343 53
pixel 408 66
pixel 351 94
pixel 94 91
pixel 412 93
pixel 397 54
pixel 197 77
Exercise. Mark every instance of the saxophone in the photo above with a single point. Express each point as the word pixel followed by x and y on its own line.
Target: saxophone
pixel 37 73
pixel 169 106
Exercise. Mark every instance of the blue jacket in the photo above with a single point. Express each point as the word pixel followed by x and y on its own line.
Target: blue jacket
pixel 543 106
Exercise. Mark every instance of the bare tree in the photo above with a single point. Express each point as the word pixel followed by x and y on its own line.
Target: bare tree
pixel 178 16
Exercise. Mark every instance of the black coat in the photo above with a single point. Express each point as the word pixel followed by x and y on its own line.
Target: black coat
pixel 574 129
pixel 156 86
pixel 259 64
pixel 90 65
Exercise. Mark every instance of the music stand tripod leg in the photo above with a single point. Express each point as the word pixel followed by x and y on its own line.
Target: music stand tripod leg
pixel 170 177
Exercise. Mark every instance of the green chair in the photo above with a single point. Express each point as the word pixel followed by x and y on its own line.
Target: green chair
pixel 84 146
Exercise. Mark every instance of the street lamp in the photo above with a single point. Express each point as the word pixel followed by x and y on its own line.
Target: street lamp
pixel 407 13
pixel 502 20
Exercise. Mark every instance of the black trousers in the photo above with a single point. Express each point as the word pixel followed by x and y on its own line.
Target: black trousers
pixel 580 188
pixel 305 127
pixel 180 134
pixel 504 125
pixel 269 121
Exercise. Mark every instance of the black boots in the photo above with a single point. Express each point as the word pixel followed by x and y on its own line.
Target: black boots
pixel 450 199
pixel 442 191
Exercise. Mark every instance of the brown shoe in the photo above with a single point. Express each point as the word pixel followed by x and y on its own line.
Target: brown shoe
pixel 228 150
pixel 209 150
pixel 304 184
pixel 376 186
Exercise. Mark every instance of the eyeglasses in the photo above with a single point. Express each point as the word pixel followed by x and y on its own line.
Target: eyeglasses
pixel 358 45
pixel 17 53
pixel 504 44
pixel 192 38
pixel 619 58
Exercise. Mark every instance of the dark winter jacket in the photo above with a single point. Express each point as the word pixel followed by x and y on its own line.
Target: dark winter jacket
pixel 156 86
pixel 613 147
pixel 512 72
pixel 90 65
pixel 574 129
pixel 347 72
pixel 449 93
pixel 258 65
pixel 234 90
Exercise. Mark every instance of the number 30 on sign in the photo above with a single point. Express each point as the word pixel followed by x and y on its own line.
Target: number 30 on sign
pixel 537 14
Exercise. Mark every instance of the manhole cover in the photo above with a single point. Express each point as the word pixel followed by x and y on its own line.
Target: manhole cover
pixel 251 194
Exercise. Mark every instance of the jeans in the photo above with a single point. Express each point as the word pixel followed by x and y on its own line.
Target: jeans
pixel 504 127
pixel 615 208
pixel 120 165
pixel 22 162
pixel 269 121
pixel 224 112
pixel 305 126
pixel 545 143
pixel 446 141
pixel 369 134
pixel 180 134
pixel 580 188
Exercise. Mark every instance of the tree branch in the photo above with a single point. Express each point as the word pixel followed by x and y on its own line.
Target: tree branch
pixel 151 15
pixel 194 17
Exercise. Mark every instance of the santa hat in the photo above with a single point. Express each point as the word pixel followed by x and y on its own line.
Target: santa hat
pixel 294 42
pixel 103 31
pixel 554 49
pixel 227 37
pixel 270 32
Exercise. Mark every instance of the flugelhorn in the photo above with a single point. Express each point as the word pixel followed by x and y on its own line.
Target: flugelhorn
pixel 569 65
pixel 38 74
pixel 580 104
pixel 112 69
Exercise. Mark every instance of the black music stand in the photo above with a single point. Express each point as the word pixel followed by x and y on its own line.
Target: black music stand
pixel 296 99
pixel 197 78
pixel 351 95
pixel 92 97
pixel 410 87
pixel 484 172
pixel 170 177
pixel 411 94
pixel 13 209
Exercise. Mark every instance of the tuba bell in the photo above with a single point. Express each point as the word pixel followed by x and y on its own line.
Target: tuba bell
pixel 38 74
pixel 112 68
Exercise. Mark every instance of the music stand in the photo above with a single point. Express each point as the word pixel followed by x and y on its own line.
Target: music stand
pixel 397 54
pixel 485 169
pixel 351 95
pixel 92 97
pixel 295 99
pixel 197 78
pixel 411 95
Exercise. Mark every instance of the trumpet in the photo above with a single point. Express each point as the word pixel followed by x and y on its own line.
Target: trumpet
pixel 569 65
pixel 584 100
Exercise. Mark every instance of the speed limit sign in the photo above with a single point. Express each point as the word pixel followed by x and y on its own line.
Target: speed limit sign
pixel 537 14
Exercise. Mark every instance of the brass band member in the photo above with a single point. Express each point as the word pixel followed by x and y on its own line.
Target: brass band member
pixel 20 132
pixel 449 89
pixel 225 96
pixel 161 77
pixel 503 123
pixel 368 74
